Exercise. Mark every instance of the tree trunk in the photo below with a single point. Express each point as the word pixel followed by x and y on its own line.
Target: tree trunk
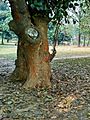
pixel 79 39
pixel 79 36
pixel 2 43
pixel 38 58
pixel 84 41
pixel 33 58
pixel 20 71
pixel 88 40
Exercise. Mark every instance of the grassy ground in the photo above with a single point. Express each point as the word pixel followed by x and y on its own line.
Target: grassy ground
pixel 72 51
pixel 10 50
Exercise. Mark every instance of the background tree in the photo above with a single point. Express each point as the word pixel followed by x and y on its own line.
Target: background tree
pixel 83 8
pixel 5 17
pixel 85 26
pixel 30 23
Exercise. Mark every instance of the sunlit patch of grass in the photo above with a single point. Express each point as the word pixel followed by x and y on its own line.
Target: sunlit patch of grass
pixel 71 51
pixel 8 51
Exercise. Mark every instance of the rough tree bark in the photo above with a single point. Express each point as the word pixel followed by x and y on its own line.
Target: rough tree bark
pixel 20 71
pixel 33 58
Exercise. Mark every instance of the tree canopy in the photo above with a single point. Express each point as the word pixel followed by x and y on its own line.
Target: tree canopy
pixel 54 9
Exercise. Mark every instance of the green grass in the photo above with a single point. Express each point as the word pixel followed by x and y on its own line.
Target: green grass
pixel 8 51
pixel 71 51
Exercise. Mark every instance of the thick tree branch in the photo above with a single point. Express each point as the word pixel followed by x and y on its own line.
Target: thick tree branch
pixel 21 19
pixel 55 42
pixel 17 7
pixel 20 14
pixel 53 54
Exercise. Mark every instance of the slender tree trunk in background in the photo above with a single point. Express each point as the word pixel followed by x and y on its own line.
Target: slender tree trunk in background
pixel 33 58
pixel 88 43
pixel 79 39
pixel 79 34
pixel 7 40
pixel 88 40
pixel 2 43
pixel 84 41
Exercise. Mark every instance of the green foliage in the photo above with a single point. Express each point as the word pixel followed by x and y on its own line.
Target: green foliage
pixel 85 22
pixel 51 30
pixel 63 33
pixel 5 16
pixel 54 9
pixel 4 23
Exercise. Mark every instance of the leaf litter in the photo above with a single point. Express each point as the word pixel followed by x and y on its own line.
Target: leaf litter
pixel 68 99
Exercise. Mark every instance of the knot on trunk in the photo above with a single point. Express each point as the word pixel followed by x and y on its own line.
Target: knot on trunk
pixel 33 34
